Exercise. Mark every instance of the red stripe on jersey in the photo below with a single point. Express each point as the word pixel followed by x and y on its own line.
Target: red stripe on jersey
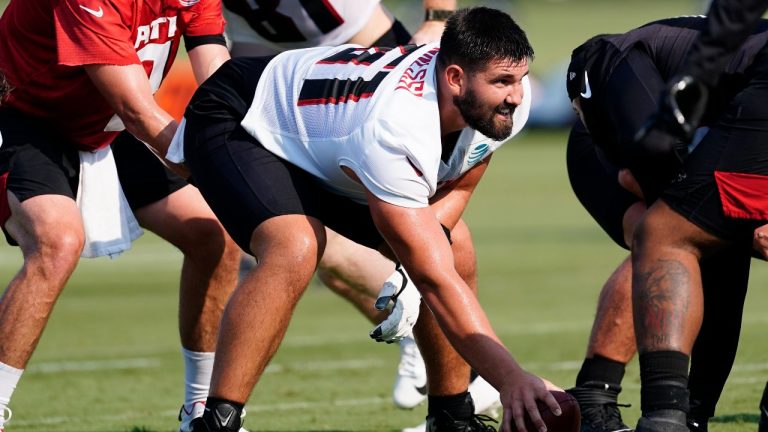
pixel 333 12
pixel 333 100
pixel 744 196
pixel 5 209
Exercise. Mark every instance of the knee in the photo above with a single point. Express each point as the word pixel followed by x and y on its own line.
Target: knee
pixel 207 242
pixel 56 251
pixel 288 245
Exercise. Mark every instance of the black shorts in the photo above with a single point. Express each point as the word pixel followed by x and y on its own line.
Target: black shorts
pixel 595 181
pixel 723 189
pixel 33 162
pixel 244 183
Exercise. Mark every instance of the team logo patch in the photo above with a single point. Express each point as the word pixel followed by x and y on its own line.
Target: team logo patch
pixel 478 153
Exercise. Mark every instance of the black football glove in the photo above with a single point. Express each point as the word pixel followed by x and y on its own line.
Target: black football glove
pixel 661 144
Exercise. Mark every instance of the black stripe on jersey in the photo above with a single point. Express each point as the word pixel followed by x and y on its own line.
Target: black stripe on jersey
pixel 322 14
pixel 405 50
pixel 336 91
pixel 359 56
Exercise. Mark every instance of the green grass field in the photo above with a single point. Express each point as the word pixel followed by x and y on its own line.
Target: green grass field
pixel 109 359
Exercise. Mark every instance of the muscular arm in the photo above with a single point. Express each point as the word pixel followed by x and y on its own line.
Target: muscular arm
pixel 128 92
pixel 418 241
pixel 449 202
pixel 205 59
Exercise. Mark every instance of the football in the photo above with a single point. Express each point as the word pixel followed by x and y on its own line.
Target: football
pixel 568 421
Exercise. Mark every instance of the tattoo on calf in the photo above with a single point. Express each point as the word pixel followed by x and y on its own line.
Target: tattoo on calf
pixel 662 301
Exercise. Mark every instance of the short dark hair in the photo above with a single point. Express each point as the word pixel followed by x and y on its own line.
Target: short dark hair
pixel 473 37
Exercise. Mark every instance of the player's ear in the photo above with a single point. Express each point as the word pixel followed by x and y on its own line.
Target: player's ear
pixel 454 77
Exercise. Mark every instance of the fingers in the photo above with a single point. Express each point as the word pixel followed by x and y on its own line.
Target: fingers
pixel 760 241
pixel 382 302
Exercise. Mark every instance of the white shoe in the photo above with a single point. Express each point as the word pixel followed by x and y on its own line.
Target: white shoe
pixel 411 383
pixel 485 398
pixel 187 413
pixel 5 417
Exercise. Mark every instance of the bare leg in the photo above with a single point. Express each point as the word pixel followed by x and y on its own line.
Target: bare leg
pixel 668 309
pixel 209 270
pixel 447 372
pixel 255 320
pixel 613 336
pixel 355 272
pixel 49 232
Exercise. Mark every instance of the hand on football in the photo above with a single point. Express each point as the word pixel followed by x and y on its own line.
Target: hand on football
pixel 400 291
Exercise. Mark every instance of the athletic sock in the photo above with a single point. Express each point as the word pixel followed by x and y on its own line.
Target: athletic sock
pixel 9 378
pixel 599 369
pixel 459 406
pixel 198 367
pixel 664 378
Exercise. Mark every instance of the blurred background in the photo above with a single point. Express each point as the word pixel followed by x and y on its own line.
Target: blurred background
pixel 109 359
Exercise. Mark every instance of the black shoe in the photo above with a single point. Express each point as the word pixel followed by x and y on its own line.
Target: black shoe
pixel 599 407
pixel 444 423
pixel 763 425
pixel 221 418
pixel 663 421
pixel 697 425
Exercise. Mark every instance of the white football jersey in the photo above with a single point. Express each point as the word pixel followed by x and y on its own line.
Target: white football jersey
pixel 371 110
pixel 291 24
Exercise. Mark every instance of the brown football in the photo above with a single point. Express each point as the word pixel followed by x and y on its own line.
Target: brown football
pixel 568 421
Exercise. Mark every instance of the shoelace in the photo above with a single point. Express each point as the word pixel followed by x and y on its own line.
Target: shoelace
pixel 604 416
pixel 478 423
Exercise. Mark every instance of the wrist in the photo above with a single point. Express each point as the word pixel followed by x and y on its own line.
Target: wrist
pixel 437 14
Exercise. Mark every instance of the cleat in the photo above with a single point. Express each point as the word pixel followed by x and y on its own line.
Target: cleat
pixel 410 387
pixel 663 421
pixel 599 407
pixel 763 425
pixel 5 417
pixel 188 414
pixel 444 423
pixel 697 425
pixel 484 397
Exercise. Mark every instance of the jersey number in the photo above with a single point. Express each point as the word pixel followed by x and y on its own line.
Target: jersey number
pixel 263 17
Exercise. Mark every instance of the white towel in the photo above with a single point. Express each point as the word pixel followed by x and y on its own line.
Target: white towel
pixel 109 223
pixel 175 152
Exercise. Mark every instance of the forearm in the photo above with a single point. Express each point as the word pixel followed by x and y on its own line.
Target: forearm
pixel 466 326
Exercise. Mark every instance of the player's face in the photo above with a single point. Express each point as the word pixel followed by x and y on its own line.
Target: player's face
pixel 491 96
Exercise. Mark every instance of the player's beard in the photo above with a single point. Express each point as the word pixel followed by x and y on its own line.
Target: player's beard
pixel 480 119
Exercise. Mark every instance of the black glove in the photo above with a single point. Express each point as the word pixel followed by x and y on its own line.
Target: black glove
pixel 661 144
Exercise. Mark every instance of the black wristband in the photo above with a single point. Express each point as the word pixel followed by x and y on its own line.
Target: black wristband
pixel 437 14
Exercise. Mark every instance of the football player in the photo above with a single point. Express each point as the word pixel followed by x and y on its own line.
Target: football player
pixel 356 131
pixel 81 77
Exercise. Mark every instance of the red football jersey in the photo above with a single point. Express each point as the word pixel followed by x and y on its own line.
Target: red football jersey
pixel 45 43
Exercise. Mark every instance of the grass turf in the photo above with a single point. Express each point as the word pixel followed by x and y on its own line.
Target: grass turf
pixel 109 359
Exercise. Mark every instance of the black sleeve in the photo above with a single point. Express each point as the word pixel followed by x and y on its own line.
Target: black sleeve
pixel 729 23
pixel 195 41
